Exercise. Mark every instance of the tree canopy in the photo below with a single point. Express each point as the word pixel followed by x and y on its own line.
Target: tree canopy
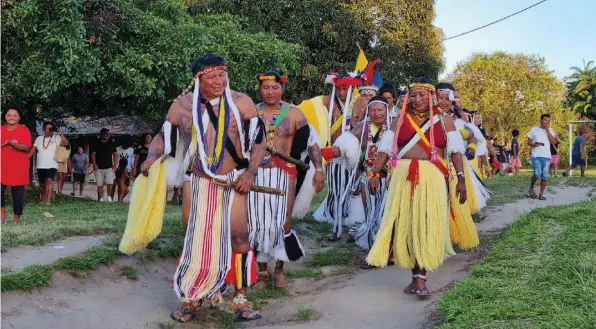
pixel 105 57
pixel 512 91
pixel 581 90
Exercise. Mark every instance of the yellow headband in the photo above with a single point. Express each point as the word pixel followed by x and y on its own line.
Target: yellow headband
pixel 422 85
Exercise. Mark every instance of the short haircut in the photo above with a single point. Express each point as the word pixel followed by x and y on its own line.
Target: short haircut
pixel 387 88
pixel 515 133
pixel 545 115
pixel 207 60
pixel 14 107
pixel 104 130
pixel 445 85
pixel 48 123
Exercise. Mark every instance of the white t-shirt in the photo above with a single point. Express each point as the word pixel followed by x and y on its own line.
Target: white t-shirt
pixel 46 148
pixel 538 135
pixel 128 154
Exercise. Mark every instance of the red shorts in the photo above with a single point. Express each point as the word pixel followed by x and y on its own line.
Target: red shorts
pixel 496 165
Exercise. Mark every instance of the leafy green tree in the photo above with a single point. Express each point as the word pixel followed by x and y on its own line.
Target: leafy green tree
pixel 512 91
pixel 581 90
pixel 400 32
pixel 105 57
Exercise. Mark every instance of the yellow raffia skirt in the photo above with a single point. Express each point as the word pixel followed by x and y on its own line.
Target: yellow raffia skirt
pixel 417 224
pixel 146 209
pixel 462 229
pixel 473 201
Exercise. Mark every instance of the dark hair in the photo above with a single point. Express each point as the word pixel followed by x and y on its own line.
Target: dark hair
pixel 48 123
pixel 445 85
pixel 81 147
pixel 145 135
pixel 515 133
pixel 8 107
pixel 104 130
pixel 275 74
pixel 127 142
pixel 387 88
pixel 207 60
pixel 422 80
pixel 545 115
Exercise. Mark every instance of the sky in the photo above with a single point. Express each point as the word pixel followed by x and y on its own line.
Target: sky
pixel 561 31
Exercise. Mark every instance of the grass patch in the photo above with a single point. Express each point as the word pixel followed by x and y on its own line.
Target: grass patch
pixel 75 216
pixel 261 297
pixel 303 313
pixel 331 257
pixel 304 273
pixel 129 272
pixel 34 276
pixel 542 274
pixel 166 325
pixel 90 259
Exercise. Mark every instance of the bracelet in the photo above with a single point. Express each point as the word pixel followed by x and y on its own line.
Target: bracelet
pixel 321 170
pixel 472 146
pixel 372 174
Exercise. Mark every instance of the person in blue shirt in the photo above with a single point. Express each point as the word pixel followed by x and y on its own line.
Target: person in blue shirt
pixel 578 154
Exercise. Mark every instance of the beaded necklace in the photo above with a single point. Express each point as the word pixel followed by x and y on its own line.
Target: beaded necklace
pixel 270 135
pixel 45 147
pixel 371 147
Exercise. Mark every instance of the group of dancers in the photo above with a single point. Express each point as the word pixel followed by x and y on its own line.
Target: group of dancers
pixel 401 179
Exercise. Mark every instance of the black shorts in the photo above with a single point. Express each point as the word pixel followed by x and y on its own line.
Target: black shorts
pixel 43 174
pixel 78 178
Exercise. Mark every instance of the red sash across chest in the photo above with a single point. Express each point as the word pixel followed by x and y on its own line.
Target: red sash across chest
pixel 406 133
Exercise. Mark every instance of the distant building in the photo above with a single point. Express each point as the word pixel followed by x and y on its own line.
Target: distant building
pixel 85 131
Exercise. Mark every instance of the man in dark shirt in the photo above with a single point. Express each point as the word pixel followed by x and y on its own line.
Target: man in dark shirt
pixel 105 161
pixel 499 159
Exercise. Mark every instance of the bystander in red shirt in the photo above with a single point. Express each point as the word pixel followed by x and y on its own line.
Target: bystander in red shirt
pixel 15 164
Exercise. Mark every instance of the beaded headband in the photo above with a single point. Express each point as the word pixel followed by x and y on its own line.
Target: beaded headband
pixel 422 85
pixel 211 69
pixel 450 93
pixel 282 79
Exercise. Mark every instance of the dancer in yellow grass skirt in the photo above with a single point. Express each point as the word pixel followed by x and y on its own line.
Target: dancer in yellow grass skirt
pixel 415 223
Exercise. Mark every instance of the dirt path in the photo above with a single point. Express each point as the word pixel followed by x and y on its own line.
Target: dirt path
pixel 105 299
pixel 17 258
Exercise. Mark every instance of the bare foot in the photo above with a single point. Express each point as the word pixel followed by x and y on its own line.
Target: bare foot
pixel 264 279
pixel 280 279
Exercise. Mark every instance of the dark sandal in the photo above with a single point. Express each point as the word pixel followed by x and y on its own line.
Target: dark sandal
pixel 409 290
pixel 366 266
pixel 533 195
pixel 241 318
pixel 422 291
pixel 542 198
pixel 183 314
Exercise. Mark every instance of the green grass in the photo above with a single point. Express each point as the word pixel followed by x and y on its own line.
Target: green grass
pixel 303 313
pixel 542 274
pixel 331 257
pixel 129 272
pixel 31 277
pixel 261 297
pixel 506 189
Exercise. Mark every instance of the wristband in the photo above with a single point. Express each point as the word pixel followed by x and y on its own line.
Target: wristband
pixel 321 170
pixel 472 146
pixel 464 133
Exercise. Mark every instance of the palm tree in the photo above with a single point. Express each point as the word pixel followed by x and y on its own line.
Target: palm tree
pixel 581 90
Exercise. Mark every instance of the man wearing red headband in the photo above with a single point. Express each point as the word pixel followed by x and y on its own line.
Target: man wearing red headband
pixel 224 140
pixel 288 133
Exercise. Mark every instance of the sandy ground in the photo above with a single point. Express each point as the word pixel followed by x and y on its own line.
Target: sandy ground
pixel 105 299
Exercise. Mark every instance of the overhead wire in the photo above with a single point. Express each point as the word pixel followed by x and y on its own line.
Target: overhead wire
pixel 497 21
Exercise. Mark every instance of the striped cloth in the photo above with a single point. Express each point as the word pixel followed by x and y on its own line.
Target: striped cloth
pixel 267 215
pixel 364 232
pixel 207 253
pixel 333 209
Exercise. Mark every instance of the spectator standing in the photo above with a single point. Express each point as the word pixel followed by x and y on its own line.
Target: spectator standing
pixel 80 165
pixel 105 160
pixel 14 155
pixel 124 170
pixel 45 146
pixel 578 154
pixel 554 158
pixel 540 138
pixel 141 154
pixel 514 161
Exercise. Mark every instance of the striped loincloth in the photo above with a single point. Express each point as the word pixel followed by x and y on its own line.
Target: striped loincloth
pixel 336 205
pixel 364 232
pixel 267 215
pixel 207 253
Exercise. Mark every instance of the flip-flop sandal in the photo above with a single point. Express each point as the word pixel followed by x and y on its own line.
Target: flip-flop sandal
pixel 240 318
pixel 366 266
pixel 542 198
pixel 408 290
pixel 182 314
pixel 533 195
pixel 422 291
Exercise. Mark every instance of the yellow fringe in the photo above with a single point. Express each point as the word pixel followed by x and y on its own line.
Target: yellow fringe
pixel 146 210
pixel 472 197
pixel 465 234
pixel 418 224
